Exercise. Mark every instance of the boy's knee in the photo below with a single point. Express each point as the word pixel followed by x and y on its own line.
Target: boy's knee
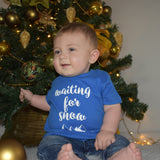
pixel 122 141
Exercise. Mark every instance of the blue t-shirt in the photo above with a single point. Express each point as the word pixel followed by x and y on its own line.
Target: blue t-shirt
pixel 77 104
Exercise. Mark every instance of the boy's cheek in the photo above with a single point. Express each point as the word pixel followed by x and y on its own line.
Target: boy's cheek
pixel 54 63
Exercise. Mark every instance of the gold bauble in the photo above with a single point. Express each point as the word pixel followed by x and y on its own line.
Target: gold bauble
pixel 31 14
pixel 70 14
pixel 4 48
pixel 11 149
pixel 118 49
pixel 114 51
pixel 108 10
pixel 25 38
pixel 96 8
pixel 49 61
pixel 12 19
pixel 108 25
pixel 1 19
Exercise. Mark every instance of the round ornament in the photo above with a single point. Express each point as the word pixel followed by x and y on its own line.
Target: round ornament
pixel 10 149
pixel 108 10
pixel 12 19
pixel 31 71
pixel 1 19
pixel 108 25
pixel 114 51
pixel 4 48
pixel 96 8
pixel 31 14
pixel 49 61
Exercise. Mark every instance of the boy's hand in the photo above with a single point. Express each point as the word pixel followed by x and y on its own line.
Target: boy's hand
pixel 25 94
pixel 104 139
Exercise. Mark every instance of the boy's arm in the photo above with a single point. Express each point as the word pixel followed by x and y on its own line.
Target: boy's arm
pixel 111 119
pixel 37 101
pixel 40 102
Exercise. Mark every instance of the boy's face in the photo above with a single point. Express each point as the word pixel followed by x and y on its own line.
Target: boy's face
pixel 72 54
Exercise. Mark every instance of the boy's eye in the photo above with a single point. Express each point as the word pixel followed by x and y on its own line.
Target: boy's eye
pixel 71 49
pixel 57 52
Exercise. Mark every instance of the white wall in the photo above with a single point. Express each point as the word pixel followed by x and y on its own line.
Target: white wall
pixel 139 22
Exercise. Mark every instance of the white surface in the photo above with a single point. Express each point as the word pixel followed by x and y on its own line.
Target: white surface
pixel 138 21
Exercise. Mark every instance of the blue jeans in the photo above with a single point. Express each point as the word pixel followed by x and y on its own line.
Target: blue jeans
pixel 51 145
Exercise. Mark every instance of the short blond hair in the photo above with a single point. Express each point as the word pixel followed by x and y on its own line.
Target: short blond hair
pixel 79 27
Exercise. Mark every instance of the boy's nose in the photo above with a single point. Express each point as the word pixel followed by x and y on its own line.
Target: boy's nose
pixel 63 55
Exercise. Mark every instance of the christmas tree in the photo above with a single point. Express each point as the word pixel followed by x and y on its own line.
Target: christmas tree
pixel 27 29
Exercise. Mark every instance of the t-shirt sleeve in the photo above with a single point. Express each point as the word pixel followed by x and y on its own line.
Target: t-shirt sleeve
pixel 49 96
pixel 109 93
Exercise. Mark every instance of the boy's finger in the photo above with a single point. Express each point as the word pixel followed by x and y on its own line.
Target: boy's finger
pixel 113 140
pixel 96 145
pixel 21 98
pixel 22 90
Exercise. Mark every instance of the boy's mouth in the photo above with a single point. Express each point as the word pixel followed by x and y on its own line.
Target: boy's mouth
pixel 65 65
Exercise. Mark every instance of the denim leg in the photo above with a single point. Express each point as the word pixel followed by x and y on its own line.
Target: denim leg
pixel 121 142
pixel 92 154
pixel 51 145
pixel 90 151
pixel 78 148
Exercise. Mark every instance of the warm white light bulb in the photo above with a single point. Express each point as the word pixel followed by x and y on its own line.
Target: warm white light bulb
pixel 7 156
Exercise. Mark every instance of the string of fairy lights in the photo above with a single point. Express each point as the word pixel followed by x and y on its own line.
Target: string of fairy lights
pixel 137 137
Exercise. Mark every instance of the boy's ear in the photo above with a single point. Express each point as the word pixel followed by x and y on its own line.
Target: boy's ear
pixel 94 56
